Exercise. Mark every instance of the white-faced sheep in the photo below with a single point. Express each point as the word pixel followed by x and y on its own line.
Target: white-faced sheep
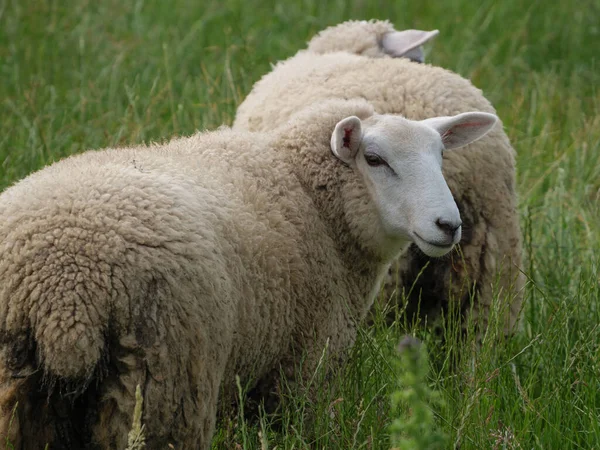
pixel 373 39
pixel 177 267
pixel 481 177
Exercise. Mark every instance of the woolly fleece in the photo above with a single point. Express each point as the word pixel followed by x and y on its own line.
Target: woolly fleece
pixel 481 176
pixel 176 267
pixel 357 37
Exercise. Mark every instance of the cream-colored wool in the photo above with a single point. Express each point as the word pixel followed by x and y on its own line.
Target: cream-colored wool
pixel 481 177
pixel 374 39
pixel 359 37
pixel 177 267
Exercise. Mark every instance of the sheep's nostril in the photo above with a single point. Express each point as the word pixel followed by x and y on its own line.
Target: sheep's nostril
pixel 448 227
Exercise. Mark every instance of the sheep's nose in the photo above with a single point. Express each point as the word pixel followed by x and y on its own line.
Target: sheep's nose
pixel 448 227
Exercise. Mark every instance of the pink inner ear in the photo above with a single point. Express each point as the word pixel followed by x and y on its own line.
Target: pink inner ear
pixel 447 135
pixel 347 135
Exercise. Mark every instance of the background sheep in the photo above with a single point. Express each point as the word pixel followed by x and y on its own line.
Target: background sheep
pixel 351 61
pixel 179 266
pixel 373 39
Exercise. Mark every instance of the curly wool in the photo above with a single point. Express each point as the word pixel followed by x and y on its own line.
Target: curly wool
pixel 360 37
pixel 481 176
pixel 177 267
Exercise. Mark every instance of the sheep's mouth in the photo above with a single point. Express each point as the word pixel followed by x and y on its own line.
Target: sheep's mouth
pixel 432 249
pixel 435 244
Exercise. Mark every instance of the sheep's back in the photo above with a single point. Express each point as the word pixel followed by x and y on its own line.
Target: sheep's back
pixel 179 243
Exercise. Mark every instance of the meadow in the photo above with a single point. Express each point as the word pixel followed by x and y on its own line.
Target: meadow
pixel 92 74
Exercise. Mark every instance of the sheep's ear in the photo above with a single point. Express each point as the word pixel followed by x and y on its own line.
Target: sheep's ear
pixel 346 138
pixel 407 43
pixel 462 129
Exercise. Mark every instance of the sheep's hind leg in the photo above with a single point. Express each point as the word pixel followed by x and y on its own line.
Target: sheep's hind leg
pixel 179 406
pixel 36 412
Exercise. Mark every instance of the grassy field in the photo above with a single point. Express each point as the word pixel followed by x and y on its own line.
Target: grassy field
pixel 87 74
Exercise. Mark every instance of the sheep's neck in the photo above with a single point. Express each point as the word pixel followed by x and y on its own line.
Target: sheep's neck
pixel 364 267
pixel 367 271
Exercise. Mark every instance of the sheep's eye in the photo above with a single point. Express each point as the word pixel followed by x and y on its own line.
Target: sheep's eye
pixel 374 160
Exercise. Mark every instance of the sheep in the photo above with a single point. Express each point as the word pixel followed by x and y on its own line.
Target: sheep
pixel 373 39
pixel 178 267
pixel 346 62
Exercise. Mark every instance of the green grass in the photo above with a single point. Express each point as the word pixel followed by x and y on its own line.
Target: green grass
pixel 89 74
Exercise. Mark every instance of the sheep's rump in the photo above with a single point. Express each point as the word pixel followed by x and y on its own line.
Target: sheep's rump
pixel 127 267
pixel 103 287
pixel 480 176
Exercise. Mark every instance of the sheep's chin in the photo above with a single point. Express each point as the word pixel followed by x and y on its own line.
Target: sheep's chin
pixel 432 250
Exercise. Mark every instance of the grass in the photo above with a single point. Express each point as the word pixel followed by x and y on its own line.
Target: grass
pixel 88 74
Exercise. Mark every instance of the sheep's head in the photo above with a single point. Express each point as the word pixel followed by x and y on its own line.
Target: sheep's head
pixel 373 38
pixel 400 163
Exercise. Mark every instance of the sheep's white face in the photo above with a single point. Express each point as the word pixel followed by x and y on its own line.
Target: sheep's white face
pixel 401 163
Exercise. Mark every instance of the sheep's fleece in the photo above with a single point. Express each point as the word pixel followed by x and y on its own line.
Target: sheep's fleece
pixel 175 267
pixel 351 61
